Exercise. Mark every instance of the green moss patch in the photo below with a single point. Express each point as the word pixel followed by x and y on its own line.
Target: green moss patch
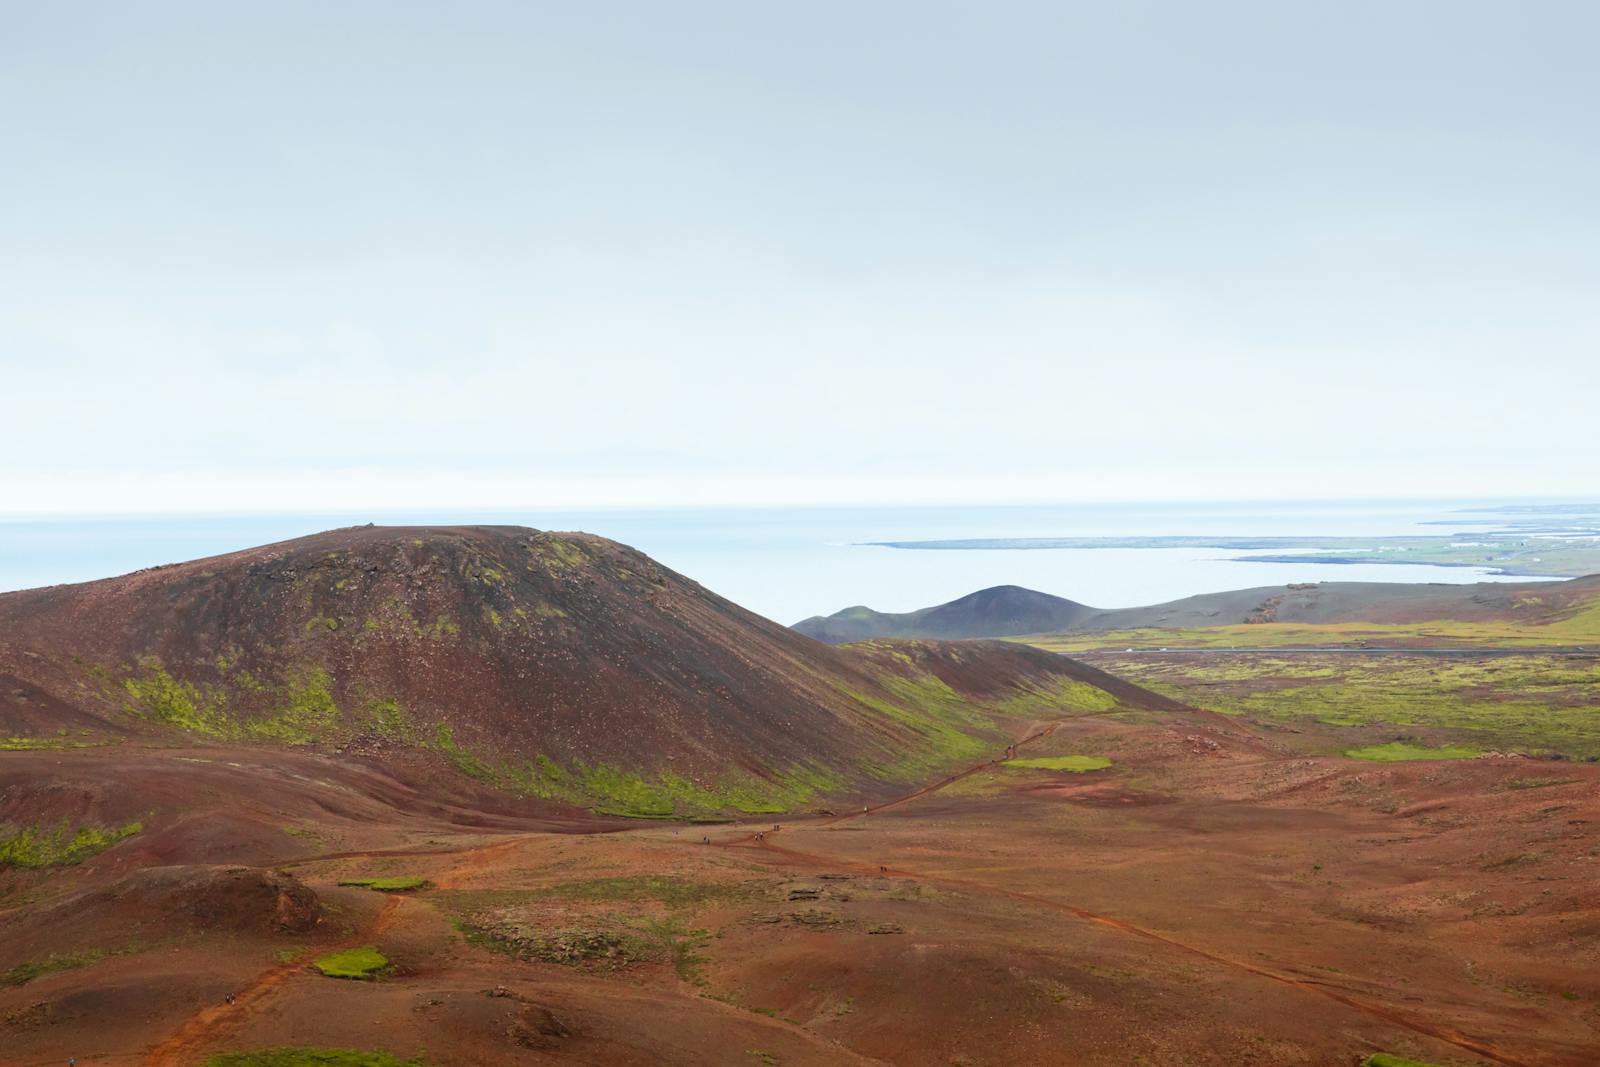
pixel 358 963
pixel 1403 752
pixel 463 760
pixel 155 694
pixel 23 973
pixel 1386 1059
pixel 1075 764
pixel 403 884
pixel 60 845
pixel 612 790
pixel 295 708
pixel 308 713
pixel 37 744
pixel 310 1057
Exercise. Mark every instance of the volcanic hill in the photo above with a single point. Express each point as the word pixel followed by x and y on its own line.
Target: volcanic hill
pixel 1003 611
pixel 1011 611
pixel 562 666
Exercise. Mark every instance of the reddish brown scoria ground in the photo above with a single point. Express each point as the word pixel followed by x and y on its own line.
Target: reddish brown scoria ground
pixel 1204 901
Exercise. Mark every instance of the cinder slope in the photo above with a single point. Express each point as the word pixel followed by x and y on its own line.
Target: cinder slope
pixel 519 655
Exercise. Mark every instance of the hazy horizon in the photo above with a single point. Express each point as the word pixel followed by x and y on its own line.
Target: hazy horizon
pixel 526 255
pixel 789 563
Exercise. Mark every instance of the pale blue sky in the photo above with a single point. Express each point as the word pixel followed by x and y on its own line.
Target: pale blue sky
pixel 330 255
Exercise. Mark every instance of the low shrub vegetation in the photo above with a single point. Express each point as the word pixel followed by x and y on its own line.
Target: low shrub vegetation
pixel 608 943
pixel 311 1057
pixel 23 973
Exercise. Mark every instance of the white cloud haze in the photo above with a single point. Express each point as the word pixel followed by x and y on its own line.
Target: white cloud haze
pixel 374 255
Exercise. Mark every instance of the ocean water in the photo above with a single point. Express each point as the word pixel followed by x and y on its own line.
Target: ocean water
pixel 788 563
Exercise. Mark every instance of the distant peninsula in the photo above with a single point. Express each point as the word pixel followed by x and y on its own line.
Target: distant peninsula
pixel 1570 553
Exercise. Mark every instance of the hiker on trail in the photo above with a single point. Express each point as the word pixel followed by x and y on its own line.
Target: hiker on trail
pixel 705 840
pixel 882 869
pixel 229 998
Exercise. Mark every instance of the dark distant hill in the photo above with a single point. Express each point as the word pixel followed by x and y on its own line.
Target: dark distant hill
pixel 1003 611
pixel 1010 611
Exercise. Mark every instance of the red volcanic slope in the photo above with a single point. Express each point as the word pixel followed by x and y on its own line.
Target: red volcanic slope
pixel 521 642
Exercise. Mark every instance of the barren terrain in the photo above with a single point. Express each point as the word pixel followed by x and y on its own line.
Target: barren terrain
pixel 1205 900
pixel 1058 866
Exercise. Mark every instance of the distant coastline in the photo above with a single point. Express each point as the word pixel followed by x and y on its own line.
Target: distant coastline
pixel 1568 553
pixel 1332 560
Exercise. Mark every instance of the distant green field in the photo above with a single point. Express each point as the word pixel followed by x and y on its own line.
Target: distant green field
pixel 1580 627
pixel 1534 703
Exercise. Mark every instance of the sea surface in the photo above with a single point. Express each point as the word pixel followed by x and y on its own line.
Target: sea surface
pixel 789 563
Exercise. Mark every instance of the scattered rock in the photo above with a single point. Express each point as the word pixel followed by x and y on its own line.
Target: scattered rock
pixel 537 1027
pixel 34 1015
pixel 814 918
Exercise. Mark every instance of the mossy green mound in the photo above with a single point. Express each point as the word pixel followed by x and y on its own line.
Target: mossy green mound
pixel 1075 764
pixel 1384 1059
pixel 403 884
pixel 310 1057
pixel 1402 752
pixel 353 963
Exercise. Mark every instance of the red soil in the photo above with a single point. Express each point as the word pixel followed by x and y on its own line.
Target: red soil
pixel 1244 905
